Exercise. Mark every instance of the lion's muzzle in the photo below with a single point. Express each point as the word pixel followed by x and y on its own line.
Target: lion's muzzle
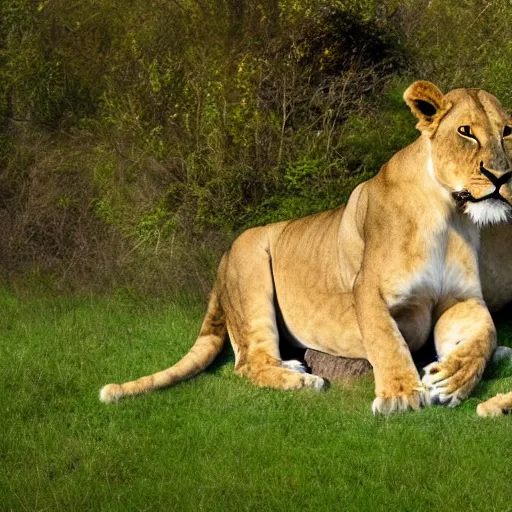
pixel 502 190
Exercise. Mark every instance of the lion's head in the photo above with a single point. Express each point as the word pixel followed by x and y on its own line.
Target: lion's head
pixel 470 141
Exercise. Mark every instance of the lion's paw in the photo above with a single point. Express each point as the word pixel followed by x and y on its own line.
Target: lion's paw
pixel 401 403
pixel 294 365
pixel 314 381
pixel 451 381
pixel 498 405
pixel 306 379
pixel 437 381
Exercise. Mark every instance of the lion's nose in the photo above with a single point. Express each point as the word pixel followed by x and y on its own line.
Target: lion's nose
pixel 496 177
pixel 499 163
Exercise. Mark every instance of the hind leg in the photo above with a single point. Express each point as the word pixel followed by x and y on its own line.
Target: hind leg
pixel 248 302
pixel 270 372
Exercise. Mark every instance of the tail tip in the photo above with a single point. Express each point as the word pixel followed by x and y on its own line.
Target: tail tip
pixel 111 393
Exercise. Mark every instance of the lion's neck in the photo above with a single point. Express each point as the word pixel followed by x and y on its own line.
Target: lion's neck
pixel 411 172
pixel 410 177
pixel 414 164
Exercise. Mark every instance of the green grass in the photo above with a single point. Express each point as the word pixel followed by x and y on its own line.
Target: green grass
pixel 217 442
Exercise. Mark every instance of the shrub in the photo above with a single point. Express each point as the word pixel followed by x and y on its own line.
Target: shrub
pixel 137 139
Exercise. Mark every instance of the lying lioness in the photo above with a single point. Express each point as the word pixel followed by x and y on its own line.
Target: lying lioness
pixel 373 278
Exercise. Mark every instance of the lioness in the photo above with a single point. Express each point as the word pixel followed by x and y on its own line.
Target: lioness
pixel 371 279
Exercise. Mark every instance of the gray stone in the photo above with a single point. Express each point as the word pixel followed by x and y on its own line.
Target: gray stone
pixel 502 353
pixel 334 368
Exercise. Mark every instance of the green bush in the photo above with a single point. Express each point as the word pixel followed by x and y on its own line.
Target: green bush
pixel 136 139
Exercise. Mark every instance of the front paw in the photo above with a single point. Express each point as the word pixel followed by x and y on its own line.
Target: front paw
pixel 499 405
pixel 451 381
pixel 387 404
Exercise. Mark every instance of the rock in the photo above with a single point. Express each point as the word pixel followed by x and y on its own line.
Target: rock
pixel 502 353
pixel 334 368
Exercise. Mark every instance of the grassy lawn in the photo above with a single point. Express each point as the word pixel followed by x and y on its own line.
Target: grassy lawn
pixel 217 442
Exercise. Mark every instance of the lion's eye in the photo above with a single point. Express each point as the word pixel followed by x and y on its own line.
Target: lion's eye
pixel 507 131
pixel 466 131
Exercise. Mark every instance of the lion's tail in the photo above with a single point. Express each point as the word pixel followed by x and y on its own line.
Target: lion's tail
pixel 203 352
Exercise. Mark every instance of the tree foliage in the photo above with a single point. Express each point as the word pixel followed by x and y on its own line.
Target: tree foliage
pixel 137 138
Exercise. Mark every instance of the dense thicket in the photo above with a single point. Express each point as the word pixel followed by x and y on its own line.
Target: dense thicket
pixel 137 138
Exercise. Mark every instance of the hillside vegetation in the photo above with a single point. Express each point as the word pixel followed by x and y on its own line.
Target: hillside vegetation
pixel 138 138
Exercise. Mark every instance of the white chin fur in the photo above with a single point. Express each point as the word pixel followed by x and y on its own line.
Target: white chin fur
pixel 490 211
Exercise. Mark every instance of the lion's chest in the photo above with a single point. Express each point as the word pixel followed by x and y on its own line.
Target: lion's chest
pixel 448 270
pixel 439 280
pixel 443 276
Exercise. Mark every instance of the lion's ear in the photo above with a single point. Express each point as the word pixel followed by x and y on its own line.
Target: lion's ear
pixel 428 104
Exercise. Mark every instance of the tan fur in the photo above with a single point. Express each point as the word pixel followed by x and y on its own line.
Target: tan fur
pixel 497 406
pixel 495 264
pixel 370 279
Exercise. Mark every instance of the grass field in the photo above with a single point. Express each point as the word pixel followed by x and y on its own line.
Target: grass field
pixel 217 442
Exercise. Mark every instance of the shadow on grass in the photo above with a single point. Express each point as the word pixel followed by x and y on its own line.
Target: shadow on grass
pixel 504 325
pixel 424 356
pixel 226 356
